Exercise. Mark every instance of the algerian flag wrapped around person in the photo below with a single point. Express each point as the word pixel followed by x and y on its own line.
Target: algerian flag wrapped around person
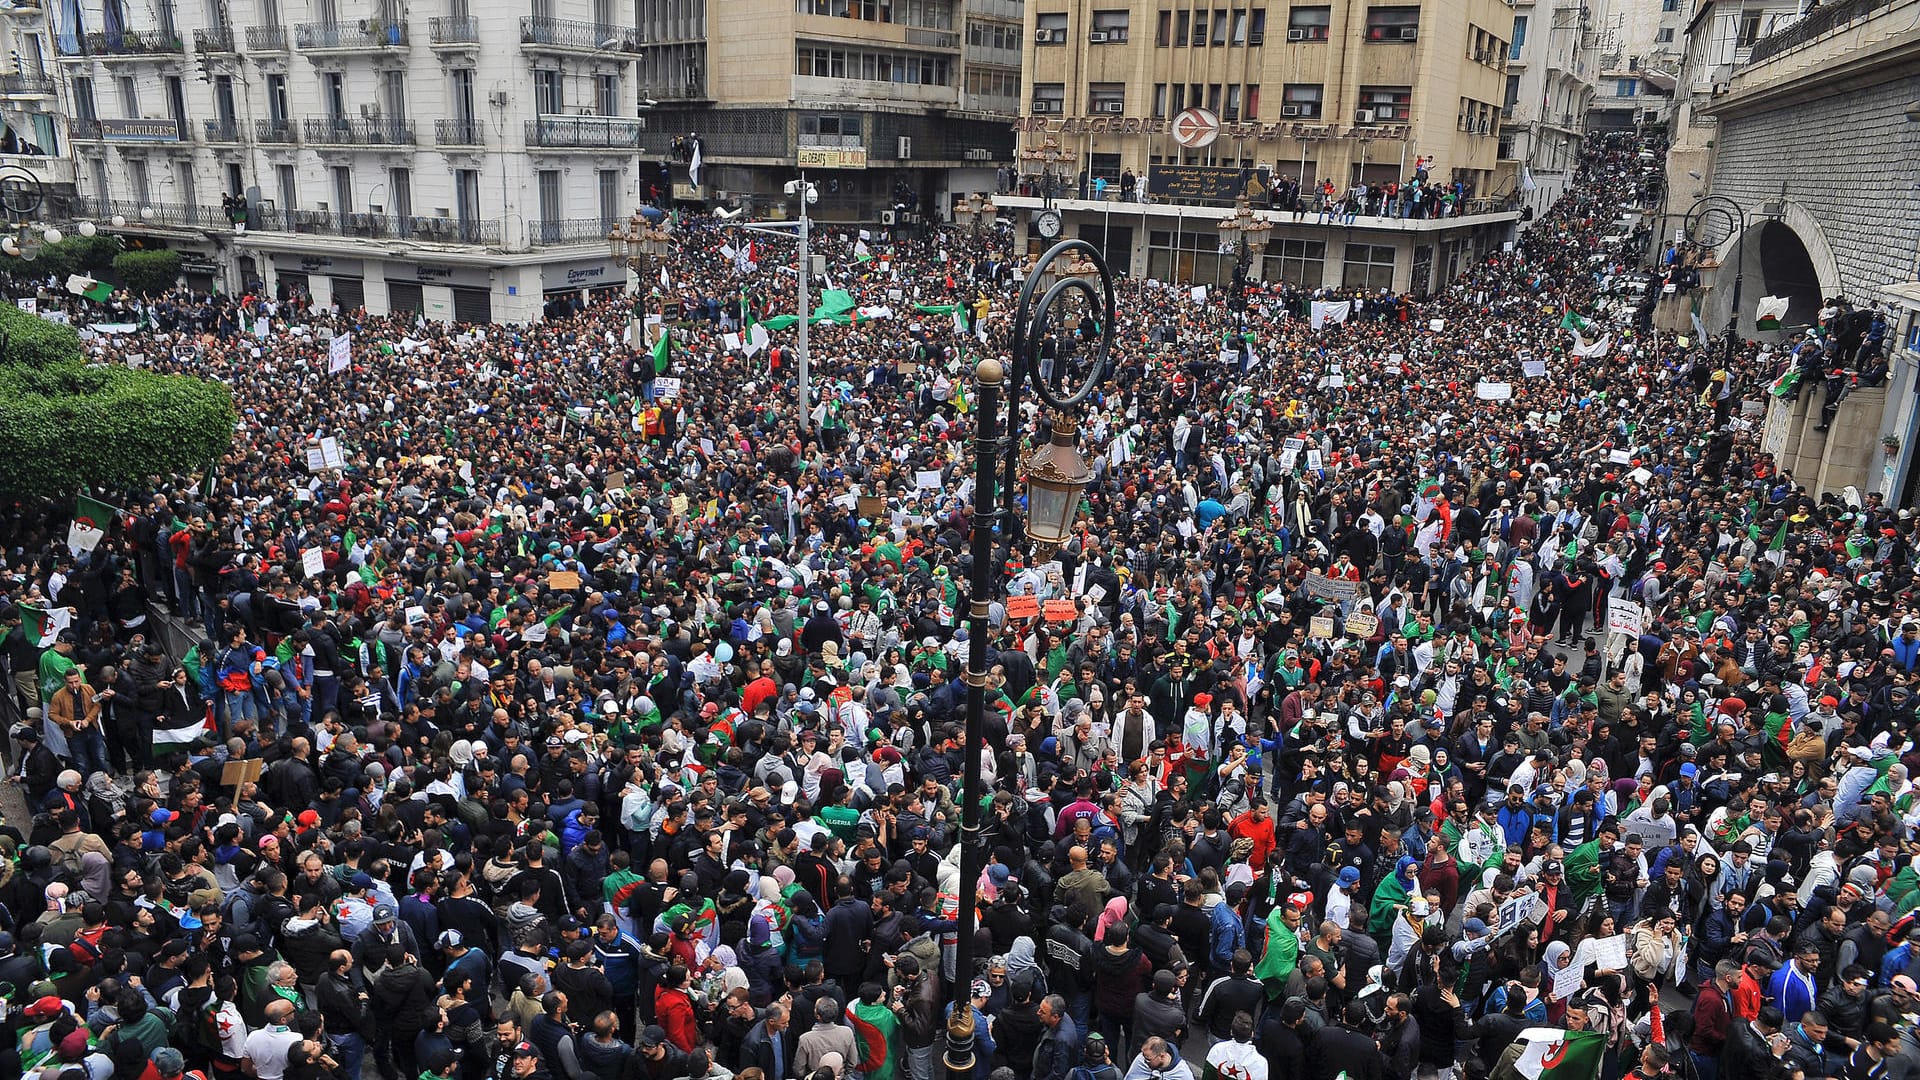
pixel 1550 1054
pixel 1282 954
pixel 876 1034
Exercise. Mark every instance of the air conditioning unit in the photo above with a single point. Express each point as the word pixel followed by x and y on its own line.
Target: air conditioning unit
pixel 497 99
pixel 1046 106
pixel 1289 110
pixel 886 217
pixel 1256 40
pixel 1296 35
pixel 1721 88
pixel 1097 37
pixel 1363 116
pixel 904 147
pixel 1041 37
pixel 369 112
pixel 1409 33
pixel 1110 106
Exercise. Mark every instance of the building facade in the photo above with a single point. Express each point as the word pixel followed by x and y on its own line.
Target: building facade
pixel 1550 86
pixel 890 106
pixel 1814 132
pixel 469 164
pixel 1341 91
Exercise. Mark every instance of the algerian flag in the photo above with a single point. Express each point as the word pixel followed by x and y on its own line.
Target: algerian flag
pixel 1560 1055
pixel 1771 311
pixel 663 351
pixel 91 288
pixel 860 252
pixel 91 521
pixel 1787 384
pixel 42 625
pixel 1569 320
pixel 876 1034
pixel 1776 552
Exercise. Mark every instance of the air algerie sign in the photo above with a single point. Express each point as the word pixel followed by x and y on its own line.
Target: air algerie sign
pixel 1135 125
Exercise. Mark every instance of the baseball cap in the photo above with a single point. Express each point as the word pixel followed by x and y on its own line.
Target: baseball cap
pixel 1550 867
pixel 1474 926
pixel 162 816
pixel 383 913
pixel 169 1062
pixel 449 939
pixel 653 1036
pixel 527 1049
pixel 1349 877
pixel 981 988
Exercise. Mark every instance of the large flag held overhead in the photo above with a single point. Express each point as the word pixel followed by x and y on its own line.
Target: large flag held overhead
pixel 875 1034
pixel 1571 320
pixel 1770 313
pixel 92 289
pixel 1561 1055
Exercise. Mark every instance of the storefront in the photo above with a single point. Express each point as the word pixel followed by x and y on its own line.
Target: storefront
pixel 321 279
pixel 564 287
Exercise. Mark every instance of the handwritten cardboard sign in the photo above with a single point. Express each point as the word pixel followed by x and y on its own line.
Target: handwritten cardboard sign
pixel 1023 607
pixel 1320 626
pixel 1061 611
pixel 1360 624
pixel 563 580
pixel 235 773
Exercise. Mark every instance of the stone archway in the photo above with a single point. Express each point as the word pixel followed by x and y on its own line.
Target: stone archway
pixel 1786 255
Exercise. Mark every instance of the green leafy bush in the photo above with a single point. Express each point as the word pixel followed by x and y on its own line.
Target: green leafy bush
pixel 147 273
pixel 35 342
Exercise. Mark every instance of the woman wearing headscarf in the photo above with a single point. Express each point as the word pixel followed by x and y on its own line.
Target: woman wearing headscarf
pixel 1115 914
pixel 1390 896
pixel 1556 956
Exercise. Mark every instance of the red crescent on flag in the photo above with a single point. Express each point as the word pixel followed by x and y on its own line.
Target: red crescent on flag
pixel 1554 1056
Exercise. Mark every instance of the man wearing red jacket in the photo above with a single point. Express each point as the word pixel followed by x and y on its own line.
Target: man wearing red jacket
pixel 1256 824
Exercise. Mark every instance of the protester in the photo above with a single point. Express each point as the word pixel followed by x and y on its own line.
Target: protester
pixel 1438 666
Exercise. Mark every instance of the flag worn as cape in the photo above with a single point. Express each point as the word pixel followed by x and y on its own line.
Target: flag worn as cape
pixel 1282 955
pixel 876 1032
pixel 1561 1055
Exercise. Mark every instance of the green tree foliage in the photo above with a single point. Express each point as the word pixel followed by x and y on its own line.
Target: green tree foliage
pixel 34 342
pixel 147 273
pixel 64 424
pixel 89 255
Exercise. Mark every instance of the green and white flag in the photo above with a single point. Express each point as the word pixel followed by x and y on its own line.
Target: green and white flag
pixel 1770 312
pixel 91 288
pixel 1560 1055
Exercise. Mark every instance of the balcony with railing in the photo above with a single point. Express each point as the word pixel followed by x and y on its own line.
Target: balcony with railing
pixel 51 171
pixel 275 131
pixel 266 39
pixel 367 35
pixel 569 231
pixel 25 84
pixel 222 131
pixel 437 230
pixel 1814 24
pixel 365 131
pixel 213 39
pixel 541 34
pixel 453 31
pixel 122 45
pixel 24 9
pixel 455 132
pixel 147 215
pixel 556 132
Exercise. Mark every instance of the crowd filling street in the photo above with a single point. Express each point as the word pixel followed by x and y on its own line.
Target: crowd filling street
pixel 555 706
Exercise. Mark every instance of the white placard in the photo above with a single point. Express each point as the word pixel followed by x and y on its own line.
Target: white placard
pixel 1625 617
pixel 1199 294
pixel 1493 391
pixel 1641 475
pixel 1620 457
pixel 732 342
pixel 416 614
pixel 1533 369
pixel 1313 457
pixel 927 478
pixel 262 326
pixel 314 561
pixel 1437 325
pixel 1288 458
pixel 1610 953
pixel 1567 981
pixel 664 387
pixel 339 353
pixel 330 453
pixel 28 304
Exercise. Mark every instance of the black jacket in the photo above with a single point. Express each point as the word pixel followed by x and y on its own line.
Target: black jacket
pixel 756 1052
pixel 341 1007
pixel 1339 1049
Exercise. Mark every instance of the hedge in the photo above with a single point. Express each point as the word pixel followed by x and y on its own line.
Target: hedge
pixel 36 342
pixel 66 425
pixel 148 273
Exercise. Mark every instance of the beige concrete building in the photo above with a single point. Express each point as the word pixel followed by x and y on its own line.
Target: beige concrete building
pixel 1345 90
pixel 889 105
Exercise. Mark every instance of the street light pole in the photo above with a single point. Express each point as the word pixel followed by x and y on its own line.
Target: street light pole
pixel 1737 216
pixel 1056 475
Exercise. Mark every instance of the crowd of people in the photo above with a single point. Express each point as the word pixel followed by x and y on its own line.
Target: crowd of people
pixel 1438 673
